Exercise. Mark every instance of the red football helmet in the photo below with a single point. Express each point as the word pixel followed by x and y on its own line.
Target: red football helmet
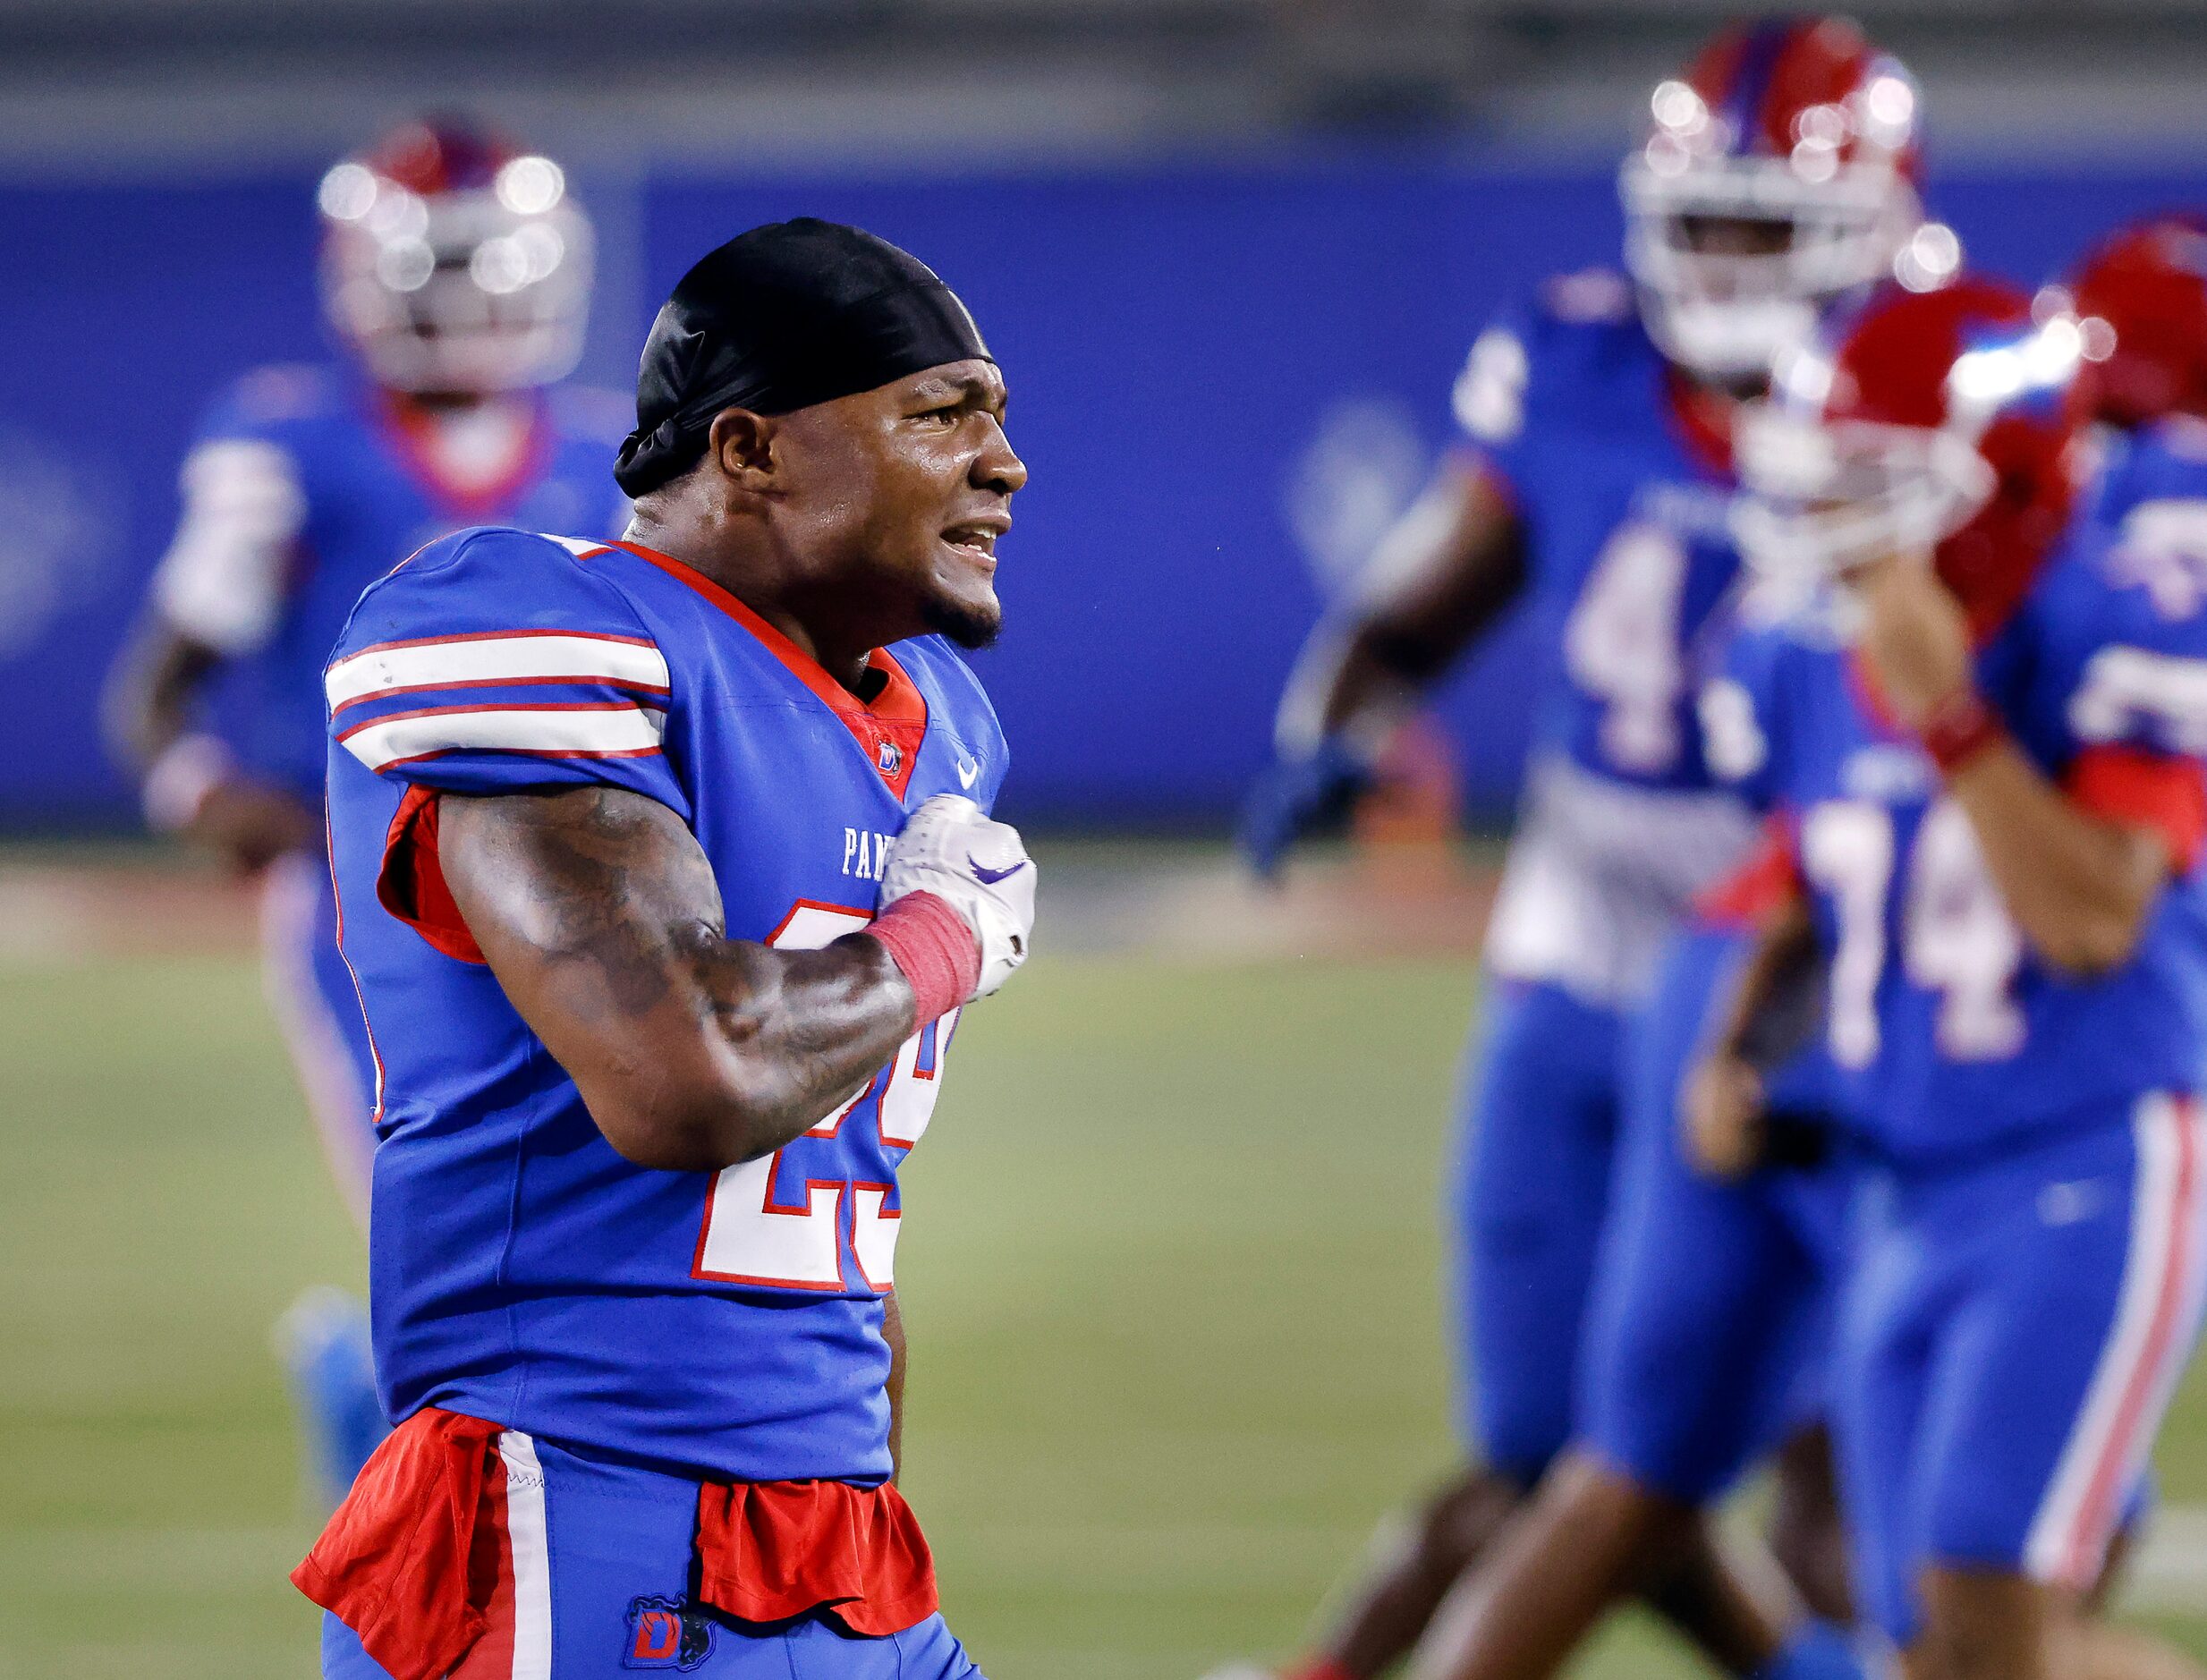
pixel 1799 124
pixel 1935 421
pixel 452 262
pixel 2142 299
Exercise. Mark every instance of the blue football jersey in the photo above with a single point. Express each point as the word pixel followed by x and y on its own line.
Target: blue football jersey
pixel 2152 483
pixel 2150 495
pixel 304 486
pixel 1626 502
pixel 727 1325
pixel 1626 508
pixel 1954 1037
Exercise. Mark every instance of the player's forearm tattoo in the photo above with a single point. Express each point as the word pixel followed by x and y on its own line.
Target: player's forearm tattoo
pixel 603 921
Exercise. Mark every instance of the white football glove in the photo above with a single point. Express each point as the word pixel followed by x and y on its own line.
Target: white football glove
pixel 978 868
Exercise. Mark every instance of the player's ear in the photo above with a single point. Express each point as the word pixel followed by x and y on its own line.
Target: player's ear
pixel 742 444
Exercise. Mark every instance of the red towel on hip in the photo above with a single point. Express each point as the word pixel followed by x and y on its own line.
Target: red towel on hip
pixel 407 1565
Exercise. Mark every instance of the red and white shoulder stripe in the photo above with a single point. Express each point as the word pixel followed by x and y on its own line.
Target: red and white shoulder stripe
pixel 545 692
pixel 552 730
pixel 494 659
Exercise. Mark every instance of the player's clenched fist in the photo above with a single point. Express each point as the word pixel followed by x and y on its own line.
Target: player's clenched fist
pixel 953 852
pixel 979 866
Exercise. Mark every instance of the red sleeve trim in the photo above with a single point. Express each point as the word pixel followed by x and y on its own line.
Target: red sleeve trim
pixel 1767 881
pixel 411 885
pixel 2144 789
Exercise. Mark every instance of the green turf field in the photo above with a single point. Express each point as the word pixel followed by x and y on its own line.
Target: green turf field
pixel 1168 1272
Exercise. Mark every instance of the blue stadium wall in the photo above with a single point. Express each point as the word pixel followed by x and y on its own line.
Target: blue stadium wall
pixel 1181 343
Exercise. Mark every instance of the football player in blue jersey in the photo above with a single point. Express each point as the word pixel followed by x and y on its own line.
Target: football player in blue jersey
pixel 1708 1327
pixel 1780 175
pixel 1983 727
pixel 457 273
pixel 664 873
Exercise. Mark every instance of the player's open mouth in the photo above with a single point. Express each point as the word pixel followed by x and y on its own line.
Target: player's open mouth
pixel 977 538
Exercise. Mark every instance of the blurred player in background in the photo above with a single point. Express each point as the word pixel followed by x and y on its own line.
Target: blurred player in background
pixel 666 873
pixel 1780 175
pixel 456 272
pixel 1720 1265
pixel 1707 1345
pixel 1983 738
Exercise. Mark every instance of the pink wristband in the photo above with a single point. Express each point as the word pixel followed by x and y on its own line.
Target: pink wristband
pixel 936 952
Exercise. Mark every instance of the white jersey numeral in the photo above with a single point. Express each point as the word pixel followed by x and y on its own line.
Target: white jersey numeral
pixel 1961 941
pixel 1848 850
pixel 1958 939
pixel 749 1238
pixel 2163 544
pixel 1621 644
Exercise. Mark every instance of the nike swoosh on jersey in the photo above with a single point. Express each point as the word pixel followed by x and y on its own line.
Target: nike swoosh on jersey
pixel 968 772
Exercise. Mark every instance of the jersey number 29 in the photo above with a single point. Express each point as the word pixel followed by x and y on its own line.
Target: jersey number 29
pixel 749 1238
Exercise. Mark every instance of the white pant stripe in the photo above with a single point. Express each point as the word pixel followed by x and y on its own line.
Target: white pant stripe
pixel 527 1534
pixel 2145 1351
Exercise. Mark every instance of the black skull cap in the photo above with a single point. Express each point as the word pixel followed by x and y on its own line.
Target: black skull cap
pixel 785 316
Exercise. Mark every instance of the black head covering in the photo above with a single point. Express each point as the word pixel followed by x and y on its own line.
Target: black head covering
pixel 781 318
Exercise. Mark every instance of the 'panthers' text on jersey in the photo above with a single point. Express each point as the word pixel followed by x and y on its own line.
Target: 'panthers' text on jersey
pixel 726 1325
pixel 1955 1035
pixel 1625 494
pixel 304 486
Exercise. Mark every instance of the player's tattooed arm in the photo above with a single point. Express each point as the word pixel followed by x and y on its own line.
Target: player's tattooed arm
pixel 1440 579
pixel 600 917
pixel 1722 1107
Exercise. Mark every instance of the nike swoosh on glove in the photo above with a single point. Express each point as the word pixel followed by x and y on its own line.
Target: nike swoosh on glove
pixel 1295 797
pixel 976 866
